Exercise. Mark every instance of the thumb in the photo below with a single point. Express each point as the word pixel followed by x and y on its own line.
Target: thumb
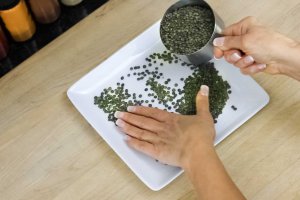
pixel 202 101
pixel 228 42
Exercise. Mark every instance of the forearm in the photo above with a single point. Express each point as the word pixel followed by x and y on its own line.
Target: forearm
pixel 209 176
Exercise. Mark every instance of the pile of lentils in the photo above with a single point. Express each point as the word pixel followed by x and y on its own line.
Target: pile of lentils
pixel 158 90
pixel 187 29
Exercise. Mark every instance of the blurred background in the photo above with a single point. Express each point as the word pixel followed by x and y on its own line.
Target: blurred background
pixel 29 25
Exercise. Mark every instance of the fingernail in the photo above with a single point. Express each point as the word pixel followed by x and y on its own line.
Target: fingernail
pixel 204 90
pixel 217 58
pixel 235 57
pixel 120 123
pixel 261 66
pixel 118 114
pixel 218 42
pixel 248 59
pixel 131 108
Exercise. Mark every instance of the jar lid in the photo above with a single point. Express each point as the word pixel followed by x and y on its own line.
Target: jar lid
pixel 8 4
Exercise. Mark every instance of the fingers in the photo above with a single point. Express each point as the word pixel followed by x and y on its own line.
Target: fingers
pixel 233 35
pixel 154 113
pixel 245 62
pixel 142 146
pixel 235 57
pixel 218 53
pixel 232 56
pixel 137 133
pixel 202 101
pixel 228 42
pixel 139 121
pixel 253 69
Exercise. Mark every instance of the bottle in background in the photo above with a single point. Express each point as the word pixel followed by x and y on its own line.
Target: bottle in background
pixel 3 45
pixel 17 19
pixel 71 2
pixel 45 11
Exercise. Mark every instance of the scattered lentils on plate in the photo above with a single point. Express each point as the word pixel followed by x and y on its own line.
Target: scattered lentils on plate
pixel 170 96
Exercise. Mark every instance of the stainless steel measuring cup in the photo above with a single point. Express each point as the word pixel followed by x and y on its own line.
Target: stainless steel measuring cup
pixel 206 52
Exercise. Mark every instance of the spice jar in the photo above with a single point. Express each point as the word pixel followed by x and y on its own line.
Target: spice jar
pixel 71 2
pixel 17 19
pixel 3 45
pixel 45 11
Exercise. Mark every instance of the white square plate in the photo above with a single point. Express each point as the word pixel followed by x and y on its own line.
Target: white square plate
pixel 246 95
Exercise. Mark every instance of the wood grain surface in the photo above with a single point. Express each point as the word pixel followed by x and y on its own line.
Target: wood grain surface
pixel 48 151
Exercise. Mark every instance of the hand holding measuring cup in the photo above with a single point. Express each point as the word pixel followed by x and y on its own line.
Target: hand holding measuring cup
pixel 254 48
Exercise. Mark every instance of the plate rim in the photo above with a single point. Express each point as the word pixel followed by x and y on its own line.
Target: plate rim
pixel 71 95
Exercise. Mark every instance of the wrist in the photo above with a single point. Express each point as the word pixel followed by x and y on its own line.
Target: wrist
pixel 195 155
pixel 208 175
pixel 290 62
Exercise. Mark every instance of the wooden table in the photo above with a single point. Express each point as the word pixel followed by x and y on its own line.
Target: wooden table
pixel 48 151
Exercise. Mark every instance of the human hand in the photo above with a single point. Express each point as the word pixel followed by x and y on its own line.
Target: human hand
pixel 254 48
pixel 168 137
pixel 186 141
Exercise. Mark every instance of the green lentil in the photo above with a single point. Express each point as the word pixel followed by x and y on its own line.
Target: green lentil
pixel 187 29
pixel 205 74
pixel 117 99
pixel 233 108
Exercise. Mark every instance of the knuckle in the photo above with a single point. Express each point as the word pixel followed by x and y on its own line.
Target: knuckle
pixel 142 134
pixel 228 58
pixel 156 112
pixel 175 119
pixel 161 128
pixel 253 70
pixel 238 65
pixel 251 19
pixel 245 42
pixel 151 113
pixel 245 72
pixel 142 109
pixel 227 41
pixel 168 128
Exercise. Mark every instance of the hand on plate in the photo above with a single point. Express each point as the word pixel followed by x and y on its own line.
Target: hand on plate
pixel 168 137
